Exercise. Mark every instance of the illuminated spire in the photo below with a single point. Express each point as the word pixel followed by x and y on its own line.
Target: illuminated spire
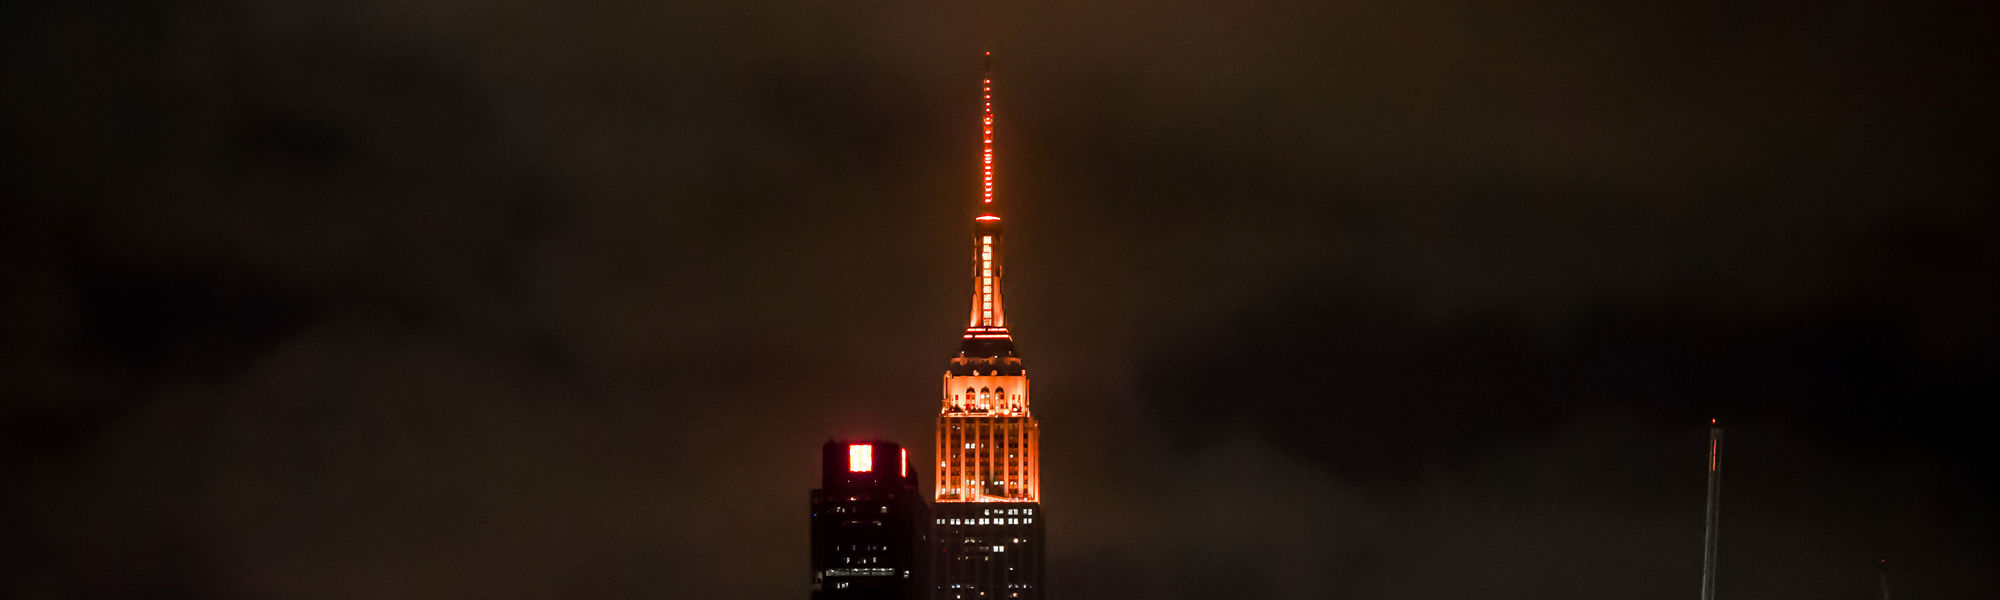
pixel 989 317
pixel 986 139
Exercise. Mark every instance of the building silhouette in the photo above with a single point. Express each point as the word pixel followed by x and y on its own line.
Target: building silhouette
pixel 870 524
pixel 988 518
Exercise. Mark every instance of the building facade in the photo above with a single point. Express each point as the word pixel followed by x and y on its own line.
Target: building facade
pixel 988 518
pixel 870 525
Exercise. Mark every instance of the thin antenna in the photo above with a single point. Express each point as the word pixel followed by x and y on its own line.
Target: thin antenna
pixel 1714 510
pixel 1883 569
pixel 986 136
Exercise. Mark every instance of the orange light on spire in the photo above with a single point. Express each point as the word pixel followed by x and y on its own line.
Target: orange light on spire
pixel 987 313
pixel 986 136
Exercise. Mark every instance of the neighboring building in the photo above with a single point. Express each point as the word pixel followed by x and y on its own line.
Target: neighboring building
pixel 988 519
pixel 870 525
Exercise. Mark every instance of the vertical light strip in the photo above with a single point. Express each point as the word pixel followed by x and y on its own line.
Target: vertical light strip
pixel 986 157
pixel 986 281
pixel 937 452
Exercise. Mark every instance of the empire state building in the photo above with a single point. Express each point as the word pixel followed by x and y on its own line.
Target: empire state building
pixel 988 512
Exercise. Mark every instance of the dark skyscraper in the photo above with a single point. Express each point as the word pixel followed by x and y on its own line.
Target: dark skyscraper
pixel 988 521
pixel 870 536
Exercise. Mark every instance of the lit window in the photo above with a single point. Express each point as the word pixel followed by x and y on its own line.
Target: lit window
pixel 860 458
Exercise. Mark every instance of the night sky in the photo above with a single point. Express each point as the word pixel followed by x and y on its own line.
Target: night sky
pixel 1404 300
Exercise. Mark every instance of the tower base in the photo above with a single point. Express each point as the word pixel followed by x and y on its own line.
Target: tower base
pixel 988 550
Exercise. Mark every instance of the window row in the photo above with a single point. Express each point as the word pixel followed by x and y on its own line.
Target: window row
pixel 987 521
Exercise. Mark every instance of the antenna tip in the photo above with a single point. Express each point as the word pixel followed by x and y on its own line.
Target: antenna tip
pixel 1711 421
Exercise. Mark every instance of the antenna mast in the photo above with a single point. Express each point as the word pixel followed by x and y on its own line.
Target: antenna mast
pixel 1883 569
pixel 1714 510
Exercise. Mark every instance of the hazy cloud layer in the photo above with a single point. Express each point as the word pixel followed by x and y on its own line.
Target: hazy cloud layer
pixel 1386 301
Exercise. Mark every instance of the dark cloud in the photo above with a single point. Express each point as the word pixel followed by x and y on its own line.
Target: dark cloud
pixel 1409 300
